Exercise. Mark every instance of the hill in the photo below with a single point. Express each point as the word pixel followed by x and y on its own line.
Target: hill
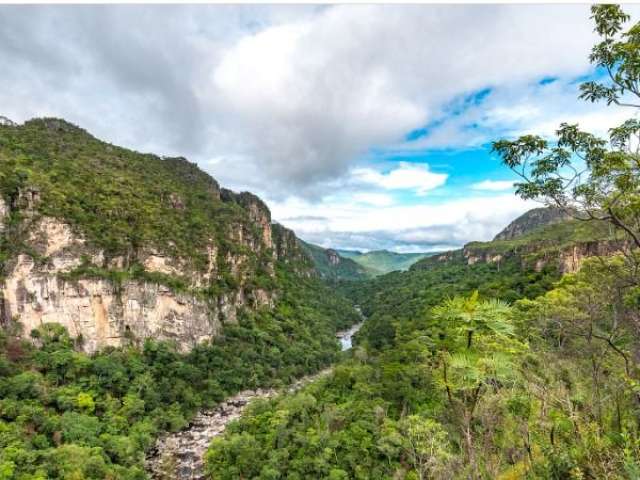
pixel 334 266
pixel 383 261
pixel 563 244
pixel 134 291
pixel 531 220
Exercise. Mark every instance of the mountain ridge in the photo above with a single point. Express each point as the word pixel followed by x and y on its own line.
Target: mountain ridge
pixel 115 244
pixel 383 261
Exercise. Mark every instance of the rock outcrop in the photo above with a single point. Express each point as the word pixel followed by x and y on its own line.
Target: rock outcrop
pixel 538 239
pixel 531 220
pixel 332 257
pixel 41 287
pixel 58 276
pixel 538 255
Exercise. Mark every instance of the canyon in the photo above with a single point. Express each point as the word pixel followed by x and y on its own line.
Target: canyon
pixel 180 455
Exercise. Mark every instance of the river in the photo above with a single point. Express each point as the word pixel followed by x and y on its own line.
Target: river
pixel 180 455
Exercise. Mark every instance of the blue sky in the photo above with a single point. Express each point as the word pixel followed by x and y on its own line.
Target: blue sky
pixel 361 126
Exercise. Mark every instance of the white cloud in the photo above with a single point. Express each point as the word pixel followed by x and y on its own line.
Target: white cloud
pixel 412 176
pixel 509 111
pixel 345 223
pixel 493 185
pixel 307 98
pixel 285 101
pixel 375 199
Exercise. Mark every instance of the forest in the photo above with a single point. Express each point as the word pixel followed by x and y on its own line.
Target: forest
pixel 66 414
pixel 497 361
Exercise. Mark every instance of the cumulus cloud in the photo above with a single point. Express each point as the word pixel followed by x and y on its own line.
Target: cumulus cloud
pixel 406 176
pixel 493 185
pixel 292 102
pixel 343 223
pixel 298 93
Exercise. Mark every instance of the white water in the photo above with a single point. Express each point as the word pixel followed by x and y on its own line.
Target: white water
pixel 346 337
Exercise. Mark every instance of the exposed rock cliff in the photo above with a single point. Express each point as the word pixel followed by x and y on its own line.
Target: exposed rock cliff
pixel 556 242
pixel 115 257
pixel 566 258
pixel 50 284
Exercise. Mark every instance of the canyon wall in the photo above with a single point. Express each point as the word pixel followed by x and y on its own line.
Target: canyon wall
pixel 63 279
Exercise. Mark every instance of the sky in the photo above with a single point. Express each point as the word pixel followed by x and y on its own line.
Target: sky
pixel 361 126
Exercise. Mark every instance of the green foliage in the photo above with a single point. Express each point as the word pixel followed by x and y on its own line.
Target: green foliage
pixel 344 269
pixel 383 261
pixel 468 388
pixel 599 177
pixel 121 201
pixel 64 414
pixel 397 302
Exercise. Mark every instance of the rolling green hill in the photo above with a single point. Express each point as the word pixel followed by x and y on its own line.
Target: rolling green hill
pixel 383 261
pixel 333 266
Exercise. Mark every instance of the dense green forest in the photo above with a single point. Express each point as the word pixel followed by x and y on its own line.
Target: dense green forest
pixel 70 415
pixel 496 369
pixel 489 362
pixel 334 267
pixel 65 414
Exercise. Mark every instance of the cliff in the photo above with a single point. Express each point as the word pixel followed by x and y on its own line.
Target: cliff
pixel 118 246
pixel 556 242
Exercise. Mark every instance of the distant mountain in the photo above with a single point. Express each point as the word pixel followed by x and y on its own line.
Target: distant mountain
pixel 531 220
pixel 383 261
pixel 332 265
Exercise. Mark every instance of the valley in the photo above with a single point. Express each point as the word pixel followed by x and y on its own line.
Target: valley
pixel 156 325
pixel 232 349
pixel 181 455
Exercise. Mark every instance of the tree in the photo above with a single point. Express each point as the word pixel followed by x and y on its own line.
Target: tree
pixel 425 444
pixel 588 176
pixel 474 354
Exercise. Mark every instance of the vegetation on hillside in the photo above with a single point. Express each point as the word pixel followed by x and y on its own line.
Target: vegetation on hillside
pixel 68 415
pixel 65 414
pixel 472 388
pixel 383 261
pixel 490 370
pixel 332 266
pixel 121 201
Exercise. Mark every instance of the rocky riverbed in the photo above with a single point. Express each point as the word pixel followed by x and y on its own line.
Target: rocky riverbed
pixel 180 455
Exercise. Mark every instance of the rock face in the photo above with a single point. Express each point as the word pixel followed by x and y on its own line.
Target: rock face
pixel 118 246
pixel 40 287
pixel 531 220
pixel 333 257
pixel 548 249
pixel 567 259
